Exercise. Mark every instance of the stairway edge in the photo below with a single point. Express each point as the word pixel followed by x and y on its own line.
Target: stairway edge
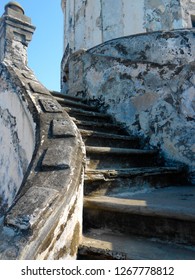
pixel 136 207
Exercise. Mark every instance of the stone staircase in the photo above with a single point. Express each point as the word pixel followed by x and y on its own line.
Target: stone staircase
pixel 135 207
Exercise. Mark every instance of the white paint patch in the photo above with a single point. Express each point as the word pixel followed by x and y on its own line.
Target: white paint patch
pixel 17 142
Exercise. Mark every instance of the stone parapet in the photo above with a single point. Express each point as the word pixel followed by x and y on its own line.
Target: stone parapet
pixel 45 217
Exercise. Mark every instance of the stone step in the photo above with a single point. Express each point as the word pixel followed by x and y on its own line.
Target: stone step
pixel 76 104
pixel 95 138
pixel 87 115
pixel 105 244
pixel 123 182
pixel 117 158
pixel 67 97
pixel 167 213
pixel 101 127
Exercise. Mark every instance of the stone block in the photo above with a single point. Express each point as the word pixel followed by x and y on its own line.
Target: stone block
pixel 57 158
pixel 29 76
pixel 62 129
pixel 38 88
pixel 29 208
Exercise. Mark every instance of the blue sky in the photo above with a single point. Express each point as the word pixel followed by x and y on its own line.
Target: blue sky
pixel 46 48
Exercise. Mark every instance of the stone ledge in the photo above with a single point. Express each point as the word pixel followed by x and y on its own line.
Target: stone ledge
pixel 37 87
pixel 61 128
pixel 30 207
pixel 57 158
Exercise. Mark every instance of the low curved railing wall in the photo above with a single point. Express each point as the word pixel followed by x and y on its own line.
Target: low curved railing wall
pixel 46 216
pixel 42 165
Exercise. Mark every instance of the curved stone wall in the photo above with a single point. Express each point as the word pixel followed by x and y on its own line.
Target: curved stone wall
pixel 45 218
pixel 175 47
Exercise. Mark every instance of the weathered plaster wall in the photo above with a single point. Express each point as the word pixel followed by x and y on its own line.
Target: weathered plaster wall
pixel 89 23
pixel 150 100
pixel 188 10
pixel 150 88
pixel 168 14
pixel 163 15
pixel 133 19
pixel 17 139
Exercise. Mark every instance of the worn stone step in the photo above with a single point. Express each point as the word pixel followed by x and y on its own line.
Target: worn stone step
pixel 78 108
pixel 76 104
pixel 80 112
pixel 119 151
pixel 69 97
pixel 117 158
pixel 107 127
pixel 105 244
pixel 95 138
pixel 121 182
pixel 167 213
pixel 87 115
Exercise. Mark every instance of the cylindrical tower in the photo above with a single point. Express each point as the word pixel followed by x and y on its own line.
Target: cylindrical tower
pixel 90 22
